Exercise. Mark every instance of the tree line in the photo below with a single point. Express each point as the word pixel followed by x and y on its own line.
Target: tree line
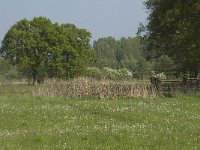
pixel 128 53
pixel 117 53
pixel 169 42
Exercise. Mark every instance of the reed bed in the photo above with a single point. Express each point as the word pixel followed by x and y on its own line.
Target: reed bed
pixel 87 87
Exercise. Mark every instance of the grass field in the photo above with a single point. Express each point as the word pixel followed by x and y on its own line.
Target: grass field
pixel 28 122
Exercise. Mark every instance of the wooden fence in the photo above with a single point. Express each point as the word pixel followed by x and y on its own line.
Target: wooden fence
pixel 169 87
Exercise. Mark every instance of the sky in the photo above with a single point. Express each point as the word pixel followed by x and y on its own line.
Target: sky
pixel 102 18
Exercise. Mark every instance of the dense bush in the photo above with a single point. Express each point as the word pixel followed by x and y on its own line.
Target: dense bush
pixel 7 71
pixel 110 74
pixel 94 72
pixel 125 74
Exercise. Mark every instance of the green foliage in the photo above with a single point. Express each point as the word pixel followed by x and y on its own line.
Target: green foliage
pixel 114 53
pixel 109 73
pixel 105 48
pixel 164 64
pixel 142 69
pixel 173 30
pixel 70 57
pixel 119 54
pixel 7 71
pixel 42 48
pixel 124 73
pixel 94 72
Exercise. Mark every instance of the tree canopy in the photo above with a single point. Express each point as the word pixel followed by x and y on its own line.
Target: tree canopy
pixel 43 48
pixel 173 30
pixel 117 53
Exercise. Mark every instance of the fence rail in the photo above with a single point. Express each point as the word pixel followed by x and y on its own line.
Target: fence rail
pixel 168 87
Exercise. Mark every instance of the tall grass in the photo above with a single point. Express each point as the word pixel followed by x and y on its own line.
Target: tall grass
pixel 87 87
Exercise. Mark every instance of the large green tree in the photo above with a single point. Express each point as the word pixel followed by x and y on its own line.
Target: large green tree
pixel 70 51
pixel 43 48
pixel 173 30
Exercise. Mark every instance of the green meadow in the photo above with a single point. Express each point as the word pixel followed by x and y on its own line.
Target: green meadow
pixel 28 122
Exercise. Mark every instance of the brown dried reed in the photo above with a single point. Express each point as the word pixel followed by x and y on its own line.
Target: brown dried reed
pixel 87 87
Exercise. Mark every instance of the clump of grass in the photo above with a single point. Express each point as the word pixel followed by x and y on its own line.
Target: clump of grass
pixel 87 87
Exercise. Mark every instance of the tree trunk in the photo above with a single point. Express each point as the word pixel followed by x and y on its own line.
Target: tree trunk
pixel 34 79
pixel 34 75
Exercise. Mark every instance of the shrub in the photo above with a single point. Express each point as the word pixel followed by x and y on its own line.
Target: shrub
pixel 111 74
pixel 94 72
pixel 125 74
